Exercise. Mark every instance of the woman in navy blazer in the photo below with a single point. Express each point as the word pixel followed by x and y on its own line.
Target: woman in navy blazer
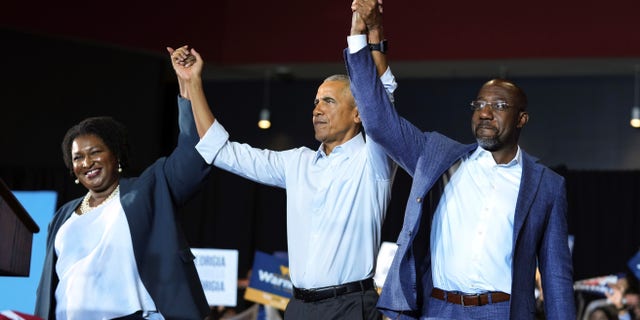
pixel 149 274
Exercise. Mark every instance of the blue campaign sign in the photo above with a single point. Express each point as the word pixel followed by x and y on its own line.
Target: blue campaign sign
pixel 634 265
pixel 269 283
pixel 19 293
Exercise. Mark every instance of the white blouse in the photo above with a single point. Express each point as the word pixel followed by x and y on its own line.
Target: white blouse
pixel 96 266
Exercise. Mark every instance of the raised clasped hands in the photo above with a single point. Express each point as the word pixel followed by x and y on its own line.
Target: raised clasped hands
pixel 367 16
pixel 186 62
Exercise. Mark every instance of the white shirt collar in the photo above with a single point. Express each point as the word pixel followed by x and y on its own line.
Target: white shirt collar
pixel 482 153
pixel 353 144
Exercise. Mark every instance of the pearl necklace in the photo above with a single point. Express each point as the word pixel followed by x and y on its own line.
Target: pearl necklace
pixel 85 207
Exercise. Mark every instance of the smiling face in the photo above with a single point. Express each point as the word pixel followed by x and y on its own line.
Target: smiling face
pixel 335 116
pixel 94 164
pixel 499 130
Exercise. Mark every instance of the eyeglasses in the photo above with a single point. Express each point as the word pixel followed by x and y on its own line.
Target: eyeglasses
pixel 497 106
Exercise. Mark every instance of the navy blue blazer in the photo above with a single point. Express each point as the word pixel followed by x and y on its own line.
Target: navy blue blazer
pixel 164 259
pixel 540 225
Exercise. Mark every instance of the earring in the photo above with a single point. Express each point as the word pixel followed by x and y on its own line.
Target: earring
pixel 119 167
pixel 76 181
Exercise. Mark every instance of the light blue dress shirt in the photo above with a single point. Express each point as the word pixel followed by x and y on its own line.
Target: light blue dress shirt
pixel 336 203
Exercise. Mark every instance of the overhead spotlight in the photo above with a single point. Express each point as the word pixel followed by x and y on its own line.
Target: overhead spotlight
pixel 635 117
pixel 635 110
pixel 265 121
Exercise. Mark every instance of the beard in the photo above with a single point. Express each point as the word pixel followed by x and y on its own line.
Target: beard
pixel 489 144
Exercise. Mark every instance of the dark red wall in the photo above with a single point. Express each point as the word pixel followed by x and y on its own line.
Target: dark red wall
pixel 247 32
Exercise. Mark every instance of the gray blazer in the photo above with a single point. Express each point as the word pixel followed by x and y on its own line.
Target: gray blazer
pixel 540 225
pixel 162 253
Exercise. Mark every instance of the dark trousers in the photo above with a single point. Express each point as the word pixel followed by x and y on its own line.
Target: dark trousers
pixel 351 306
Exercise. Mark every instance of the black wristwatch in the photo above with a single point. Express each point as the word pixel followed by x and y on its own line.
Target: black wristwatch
pixel 382 46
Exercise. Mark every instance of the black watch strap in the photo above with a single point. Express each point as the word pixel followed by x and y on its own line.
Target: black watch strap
pixel 382 46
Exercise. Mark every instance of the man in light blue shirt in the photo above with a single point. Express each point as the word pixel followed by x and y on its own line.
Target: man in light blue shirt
pixel 337 195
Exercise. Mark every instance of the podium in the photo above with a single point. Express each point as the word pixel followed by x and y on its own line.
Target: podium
pixel 16 235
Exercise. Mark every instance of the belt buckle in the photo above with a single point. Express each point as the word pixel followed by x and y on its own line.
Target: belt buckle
pixel 477 295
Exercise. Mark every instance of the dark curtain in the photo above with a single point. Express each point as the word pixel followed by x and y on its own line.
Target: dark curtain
pixel 604 217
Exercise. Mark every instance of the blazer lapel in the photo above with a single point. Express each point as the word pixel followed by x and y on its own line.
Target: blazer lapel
pixel 529 184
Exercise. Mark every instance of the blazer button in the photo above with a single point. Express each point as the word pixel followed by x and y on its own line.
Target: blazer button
pixel 418 200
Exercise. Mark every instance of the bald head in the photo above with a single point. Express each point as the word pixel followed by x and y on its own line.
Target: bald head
pixel 518 95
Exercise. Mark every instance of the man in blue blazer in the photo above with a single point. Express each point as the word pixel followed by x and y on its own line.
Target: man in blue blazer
pixel 480 217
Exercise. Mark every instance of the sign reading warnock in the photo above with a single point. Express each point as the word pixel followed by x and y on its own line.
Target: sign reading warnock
pixel 269 283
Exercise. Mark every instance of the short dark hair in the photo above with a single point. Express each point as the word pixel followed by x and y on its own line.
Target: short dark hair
pixel 112 133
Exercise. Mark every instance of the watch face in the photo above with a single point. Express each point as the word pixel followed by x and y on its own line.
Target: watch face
pixel 382 46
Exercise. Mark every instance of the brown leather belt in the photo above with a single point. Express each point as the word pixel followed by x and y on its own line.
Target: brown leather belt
pixel 470 300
